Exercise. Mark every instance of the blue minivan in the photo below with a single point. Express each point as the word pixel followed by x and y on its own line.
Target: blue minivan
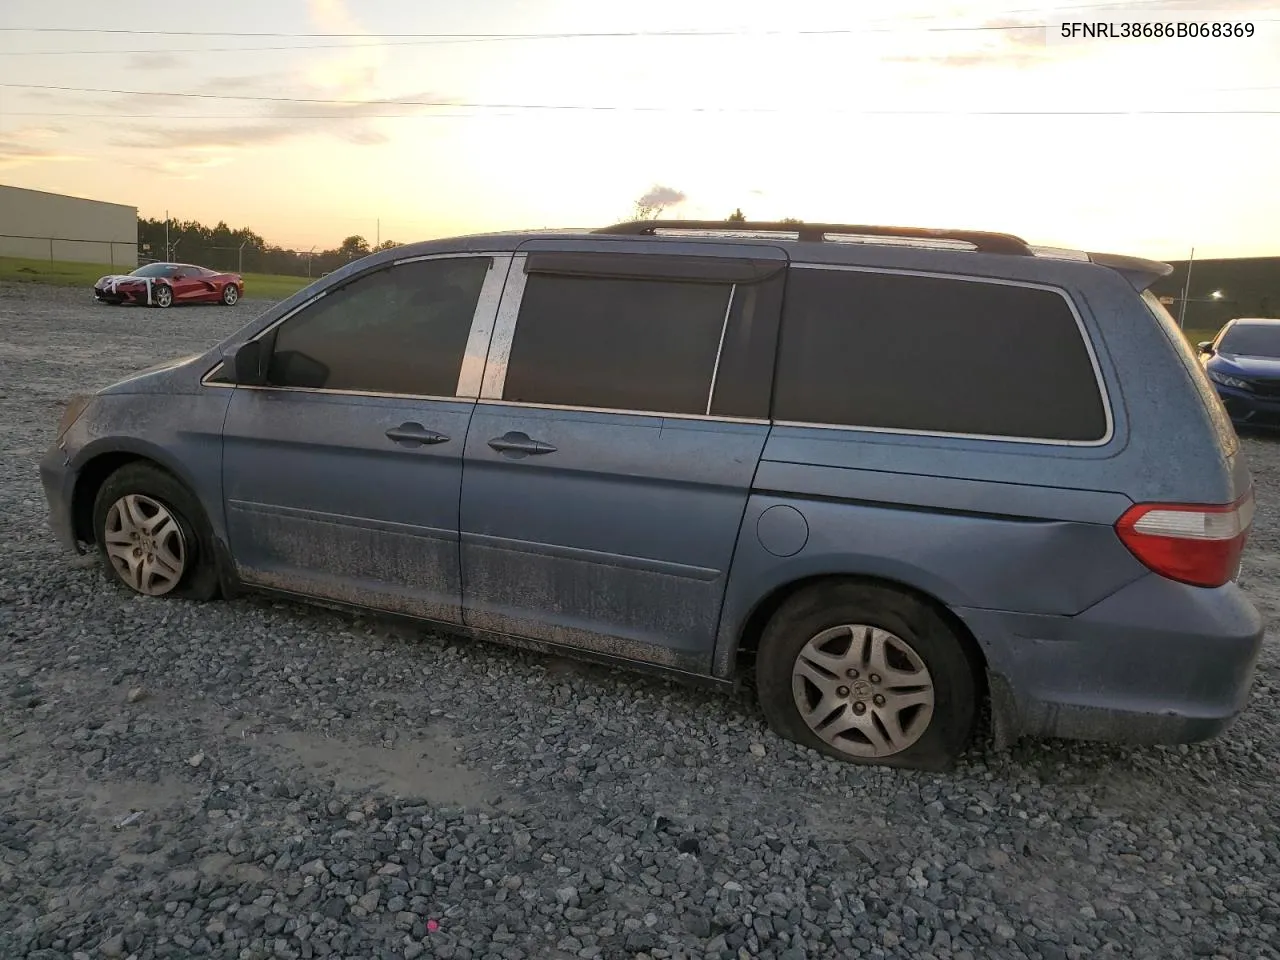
pixel 891 473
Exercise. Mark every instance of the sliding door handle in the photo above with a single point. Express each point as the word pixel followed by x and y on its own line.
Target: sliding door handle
pixel 415 435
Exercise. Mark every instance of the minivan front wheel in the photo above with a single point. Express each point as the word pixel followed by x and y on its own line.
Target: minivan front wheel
pixel 867 674
pixel 152 535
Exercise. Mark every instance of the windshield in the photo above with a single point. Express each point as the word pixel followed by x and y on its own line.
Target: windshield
pixel 1252 340
pixel 153 270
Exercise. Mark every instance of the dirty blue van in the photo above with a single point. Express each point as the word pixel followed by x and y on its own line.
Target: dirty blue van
pixel 890 474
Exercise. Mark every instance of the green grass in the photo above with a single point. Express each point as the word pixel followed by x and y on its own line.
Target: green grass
pixel 65 273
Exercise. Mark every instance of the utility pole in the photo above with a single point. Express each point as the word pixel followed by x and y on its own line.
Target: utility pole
pixel 1186 292
pixel 240 258
pixel 378 235
pixel 167 254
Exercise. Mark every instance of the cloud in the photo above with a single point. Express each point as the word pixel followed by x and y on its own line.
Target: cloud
pixel 280 122
pixel 182 166
pixel 22 146
pixel 348 75
pixel 660 197
pixel 253 83
pixel 47 131
pixel 154 61
pixel 229 136
pixel 353 71
pixel 1008 42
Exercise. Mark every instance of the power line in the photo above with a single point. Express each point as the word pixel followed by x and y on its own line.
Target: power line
pixel 574 35
pixel 602 108
pixel 567 35
pixel 518 107
pixel 515 108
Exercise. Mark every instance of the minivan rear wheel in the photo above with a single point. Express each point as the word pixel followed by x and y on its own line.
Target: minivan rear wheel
pixel 867 674
pixel 152 535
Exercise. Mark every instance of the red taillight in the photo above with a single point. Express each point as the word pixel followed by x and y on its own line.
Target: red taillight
pixel 1191 543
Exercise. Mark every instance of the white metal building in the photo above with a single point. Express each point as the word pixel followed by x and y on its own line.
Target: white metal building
pixel 51 226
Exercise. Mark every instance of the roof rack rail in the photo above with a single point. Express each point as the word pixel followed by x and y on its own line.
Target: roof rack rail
pixel 982 241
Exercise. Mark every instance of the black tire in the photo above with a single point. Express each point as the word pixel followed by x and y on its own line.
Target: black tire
pixel 162 290
pixel 199 575
pixel 230 295
pixel 825 606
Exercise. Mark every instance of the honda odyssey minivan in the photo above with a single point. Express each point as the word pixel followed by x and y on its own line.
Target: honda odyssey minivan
pixel 892 473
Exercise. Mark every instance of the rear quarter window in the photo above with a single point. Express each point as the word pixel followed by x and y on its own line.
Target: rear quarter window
pixel 1227 439
pixel 929 354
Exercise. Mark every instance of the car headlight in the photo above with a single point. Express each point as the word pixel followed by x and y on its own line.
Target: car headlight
pixel 1229 381
pixel 75 407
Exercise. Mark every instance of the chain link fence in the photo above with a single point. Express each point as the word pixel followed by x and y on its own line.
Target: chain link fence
pixel 118 253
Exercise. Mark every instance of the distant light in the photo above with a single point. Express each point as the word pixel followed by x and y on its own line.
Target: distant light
pixel 1217 294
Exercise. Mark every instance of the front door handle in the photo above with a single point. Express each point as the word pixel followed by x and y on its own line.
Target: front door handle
pixel 517 445
pixel 415 435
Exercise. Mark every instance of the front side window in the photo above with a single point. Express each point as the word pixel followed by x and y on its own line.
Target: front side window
pixel 617 343
pixel 935 355
pixel 400 330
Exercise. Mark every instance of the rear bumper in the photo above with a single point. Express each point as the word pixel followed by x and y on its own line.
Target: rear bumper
pixel 1156 662
pixel 58 480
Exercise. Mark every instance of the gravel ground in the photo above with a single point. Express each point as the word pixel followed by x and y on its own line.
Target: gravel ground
pixel 257 779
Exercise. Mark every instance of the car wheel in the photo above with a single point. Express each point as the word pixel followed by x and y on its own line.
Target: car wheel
pixel 162 296
pixel 230 294
pixel 867 674
pixel 153 536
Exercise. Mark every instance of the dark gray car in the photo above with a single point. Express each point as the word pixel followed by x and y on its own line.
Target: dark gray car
pixel 895 471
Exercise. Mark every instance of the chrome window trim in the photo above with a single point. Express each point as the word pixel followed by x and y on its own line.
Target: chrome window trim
pixel 353 393
pixel 452 255
pixel 724 328
pixel 206 382
pixel 615 411
pixel 504 330
pixel 1103 393
pixel 471 373
pixel 478 316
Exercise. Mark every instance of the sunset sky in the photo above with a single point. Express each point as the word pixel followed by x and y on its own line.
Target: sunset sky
pixel 914 112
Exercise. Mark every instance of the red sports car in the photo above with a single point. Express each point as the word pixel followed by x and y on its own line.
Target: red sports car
pixel 164 284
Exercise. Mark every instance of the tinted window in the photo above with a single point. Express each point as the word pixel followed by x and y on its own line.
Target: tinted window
pixel 1252 340
pixel 618 344
pixel 936 355
pixel 154 270
pixel 744 377
pixel 399 330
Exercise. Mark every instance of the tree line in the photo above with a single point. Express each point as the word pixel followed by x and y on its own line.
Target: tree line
pixel 240 249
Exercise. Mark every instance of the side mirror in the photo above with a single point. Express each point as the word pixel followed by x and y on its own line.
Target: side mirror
pixel 1206 346
pixel 248 362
